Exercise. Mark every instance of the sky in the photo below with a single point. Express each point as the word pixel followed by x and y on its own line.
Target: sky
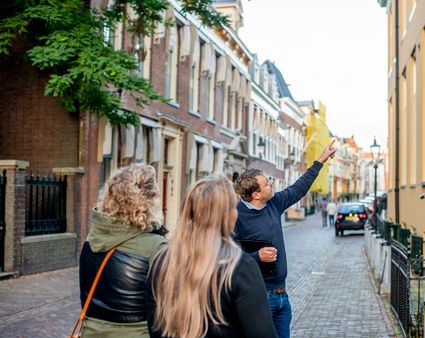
pixel 331 50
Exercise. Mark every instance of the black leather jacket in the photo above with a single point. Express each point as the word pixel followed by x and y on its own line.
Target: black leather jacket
pixel 120 295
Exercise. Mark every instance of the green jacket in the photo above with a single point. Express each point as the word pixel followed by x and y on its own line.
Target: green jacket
pixel 106 233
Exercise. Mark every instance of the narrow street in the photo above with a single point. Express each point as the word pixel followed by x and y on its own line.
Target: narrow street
pixel 329 286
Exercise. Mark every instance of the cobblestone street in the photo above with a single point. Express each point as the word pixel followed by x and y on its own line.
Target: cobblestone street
pixel 329 286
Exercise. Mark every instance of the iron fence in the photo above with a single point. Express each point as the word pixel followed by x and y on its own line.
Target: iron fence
pixel 400 285
pixel 416 303
pixel 45 205
pixel 3 182
pixel 407 276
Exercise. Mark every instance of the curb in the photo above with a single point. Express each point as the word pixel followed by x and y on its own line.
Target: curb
pixel 388 323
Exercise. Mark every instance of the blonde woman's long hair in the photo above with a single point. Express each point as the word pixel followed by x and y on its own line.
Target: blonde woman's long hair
pixel 198 263
pixel 131 195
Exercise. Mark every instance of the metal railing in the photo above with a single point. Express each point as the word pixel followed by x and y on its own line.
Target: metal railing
pixel 45 205
pixel 407 302
pixel 400 285
pixel 3 182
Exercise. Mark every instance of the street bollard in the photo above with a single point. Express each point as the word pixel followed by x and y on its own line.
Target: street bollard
pixel 403 236
pixel 387 232
pixel 416 254
pixel 394 230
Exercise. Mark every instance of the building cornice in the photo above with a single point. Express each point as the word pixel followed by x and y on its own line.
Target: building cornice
pixel 226 41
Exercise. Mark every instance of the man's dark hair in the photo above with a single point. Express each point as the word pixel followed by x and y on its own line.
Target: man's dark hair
pixel 246 184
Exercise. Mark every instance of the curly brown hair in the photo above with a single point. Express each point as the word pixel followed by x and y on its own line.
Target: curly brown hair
pixel 246 184
pixel 131 195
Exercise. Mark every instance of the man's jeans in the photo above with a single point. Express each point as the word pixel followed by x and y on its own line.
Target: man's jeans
pixel 324 218
pixel 281 313
pixel 331 220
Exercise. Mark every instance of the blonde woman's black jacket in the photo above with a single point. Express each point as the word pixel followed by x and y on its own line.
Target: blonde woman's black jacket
pixel 245 307
pixel 118 307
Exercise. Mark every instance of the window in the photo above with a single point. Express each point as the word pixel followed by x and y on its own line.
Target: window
pixel 211 93
pixel 171 68
pixel 413 120
pixel 403 128
pixel 239 109
pixel 142 55
pixel 147 144
pixel 194 78
pixel 105 167
pixel 216 161
pixel 198 161
pixel 232 110
pixel 226 96
pixel 166 153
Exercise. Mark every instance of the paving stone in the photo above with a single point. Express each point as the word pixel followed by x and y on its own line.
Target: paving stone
pixel 328 284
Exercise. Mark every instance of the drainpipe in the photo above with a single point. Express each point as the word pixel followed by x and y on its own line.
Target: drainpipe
pixel 397 116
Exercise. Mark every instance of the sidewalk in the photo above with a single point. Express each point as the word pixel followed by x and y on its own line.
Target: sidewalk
pixel 41 305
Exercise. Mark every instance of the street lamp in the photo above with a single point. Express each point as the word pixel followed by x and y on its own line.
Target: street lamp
pixel 291 156
pixel 262 144
pixel 375 149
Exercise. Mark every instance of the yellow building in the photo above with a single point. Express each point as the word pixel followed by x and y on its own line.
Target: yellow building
pixel 406 111
pixel 317 138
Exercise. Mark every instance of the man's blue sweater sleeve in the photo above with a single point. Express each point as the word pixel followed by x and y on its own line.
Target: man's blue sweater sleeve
pixel 299 189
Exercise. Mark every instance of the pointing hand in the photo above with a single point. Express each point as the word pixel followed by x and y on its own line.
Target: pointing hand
pixel 329 151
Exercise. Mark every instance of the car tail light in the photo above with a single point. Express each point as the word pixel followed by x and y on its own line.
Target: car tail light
pixel 339 217
pixel 363 215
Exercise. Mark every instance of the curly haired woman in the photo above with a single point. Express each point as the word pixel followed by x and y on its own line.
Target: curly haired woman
pixel 203 284
pixel 128 216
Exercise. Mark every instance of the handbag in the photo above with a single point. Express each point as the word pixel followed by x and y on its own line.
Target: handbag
pixel 79 323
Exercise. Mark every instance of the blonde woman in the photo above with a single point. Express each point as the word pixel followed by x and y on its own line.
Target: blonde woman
pixel 202 284
pixel 128 216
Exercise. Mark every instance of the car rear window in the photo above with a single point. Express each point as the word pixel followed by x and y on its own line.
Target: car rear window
pixel 345 209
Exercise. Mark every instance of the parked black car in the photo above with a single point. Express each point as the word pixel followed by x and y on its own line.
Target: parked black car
pixel 351 216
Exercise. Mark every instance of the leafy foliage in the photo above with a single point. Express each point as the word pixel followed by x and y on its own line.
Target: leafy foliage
pixel 66 39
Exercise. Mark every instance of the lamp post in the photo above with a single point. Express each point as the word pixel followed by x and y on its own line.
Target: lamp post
pixel 375 149
pixel 261 144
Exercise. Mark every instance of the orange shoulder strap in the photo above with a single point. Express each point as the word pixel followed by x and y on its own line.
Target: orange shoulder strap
pixel 91 292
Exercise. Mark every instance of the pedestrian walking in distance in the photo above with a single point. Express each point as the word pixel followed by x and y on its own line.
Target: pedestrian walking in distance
pixel 203 285
pixel 331 209
pixel 128 216
pixel 259 219
pixel 324 208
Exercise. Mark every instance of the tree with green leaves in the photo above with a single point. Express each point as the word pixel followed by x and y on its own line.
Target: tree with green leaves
pixel 66 39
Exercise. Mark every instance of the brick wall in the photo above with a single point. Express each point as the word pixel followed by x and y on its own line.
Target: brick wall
pixel 48 252
pixel 196 124
pixel 34 127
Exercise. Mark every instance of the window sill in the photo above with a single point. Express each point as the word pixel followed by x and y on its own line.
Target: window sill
pixel 213 122
pixel 227 131
pixel 173 104
pixel 195 113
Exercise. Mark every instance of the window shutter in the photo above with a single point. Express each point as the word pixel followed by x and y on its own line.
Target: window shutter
pixel 172 38
pixel 235 80
pixel 156 148
pixel 221 69
pixel 184 42
pixel 107 143
pixel 127 141
pixel 194 45
pixel 138 156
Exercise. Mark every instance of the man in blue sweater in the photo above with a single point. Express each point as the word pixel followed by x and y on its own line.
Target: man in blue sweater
pixel 259 218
